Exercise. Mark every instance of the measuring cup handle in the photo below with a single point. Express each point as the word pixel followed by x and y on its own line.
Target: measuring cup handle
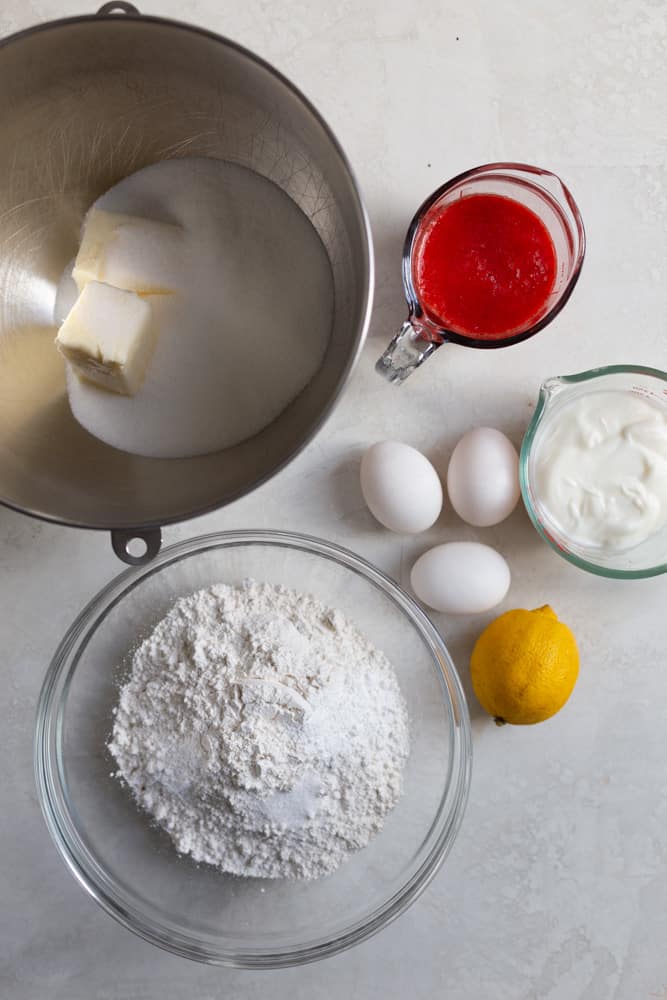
pixel 407 351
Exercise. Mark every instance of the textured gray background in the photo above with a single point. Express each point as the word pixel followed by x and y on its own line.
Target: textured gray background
pixel 556 888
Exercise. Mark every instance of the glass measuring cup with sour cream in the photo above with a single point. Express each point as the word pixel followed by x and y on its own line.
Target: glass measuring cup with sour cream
pixel 594 469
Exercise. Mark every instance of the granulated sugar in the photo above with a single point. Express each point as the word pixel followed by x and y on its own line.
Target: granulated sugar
pixel 246 326
pixel 262 731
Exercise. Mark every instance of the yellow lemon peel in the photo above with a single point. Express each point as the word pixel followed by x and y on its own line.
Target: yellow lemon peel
pixel 524 666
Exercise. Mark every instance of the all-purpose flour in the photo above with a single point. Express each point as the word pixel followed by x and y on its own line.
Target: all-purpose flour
pixel 262 731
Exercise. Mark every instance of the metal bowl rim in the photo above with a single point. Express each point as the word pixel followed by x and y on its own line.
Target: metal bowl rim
pixel 368 268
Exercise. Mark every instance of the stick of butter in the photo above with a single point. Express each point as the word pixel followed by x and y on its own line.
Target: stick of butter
pixel 108 337
pixel 140 255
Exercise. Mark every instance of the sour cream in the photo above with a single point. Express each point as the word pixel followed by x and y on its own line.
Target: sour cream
pixel 600 469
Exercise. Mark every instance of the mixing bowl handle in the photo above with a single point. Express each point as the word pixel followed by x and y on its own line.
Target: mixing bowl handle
pixel 118 7
pixel 122 539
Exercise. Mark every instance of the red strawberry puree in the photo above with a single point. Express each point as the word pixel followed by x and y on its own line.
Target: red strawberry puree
pixel 484 266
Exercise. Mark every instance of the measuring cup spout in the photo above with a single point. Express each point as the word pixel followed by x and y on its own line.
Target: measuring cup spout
pixel 407 351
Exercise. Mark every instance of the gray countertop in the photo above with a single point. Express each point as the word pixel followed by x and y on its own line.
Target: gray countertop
pixel 557 885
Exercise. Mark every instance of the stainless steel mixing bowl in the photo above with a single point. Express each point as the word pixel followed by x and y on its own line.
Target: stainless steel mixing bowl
pixel 84 102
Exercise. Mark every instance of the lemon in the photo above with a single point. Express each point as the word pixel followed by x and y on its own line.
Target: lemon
pixel 524 666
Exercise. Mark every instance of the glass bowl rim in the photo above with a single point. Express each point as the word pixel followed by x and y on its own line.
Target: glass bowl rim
pixel 90 875
pixel 524 475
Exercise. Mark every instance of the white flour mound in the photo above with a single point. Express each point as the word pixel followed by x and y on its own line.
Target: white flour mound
pixel 262 732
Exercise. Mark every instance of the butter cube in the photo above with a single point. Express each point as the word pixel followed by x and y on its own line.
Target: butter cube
pixel 98 230
pixel 108 337
pixel 139 255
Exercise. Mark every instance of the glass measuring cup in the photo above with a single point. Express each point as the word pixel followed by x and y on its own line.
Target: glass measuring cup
pixel 649 558
pixel 538 190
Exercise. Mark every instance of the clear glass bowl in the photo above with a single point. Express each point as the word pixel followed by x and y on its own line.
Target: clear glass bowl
pixel 131 868
pixel 647 559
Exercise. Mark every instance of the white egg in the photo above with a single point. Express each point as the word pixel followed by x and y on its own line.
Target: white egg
pixel 462 578
pixel 401 487
pixel 483 477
